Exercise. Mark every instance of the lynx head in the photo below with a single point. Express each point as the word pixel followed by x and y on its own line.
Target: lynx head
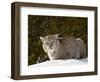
pixel 50 42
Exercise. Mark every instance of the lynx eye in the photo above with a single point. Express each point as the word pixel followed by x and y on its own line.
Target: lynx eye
pixel 47 43
pixel 52 42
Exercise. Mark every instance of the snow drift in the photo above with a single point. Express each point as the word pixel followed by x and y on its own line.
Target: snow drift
pixel 61 62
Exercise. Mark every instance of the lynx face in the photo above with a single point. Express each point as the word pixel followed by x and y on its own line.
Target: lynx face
pixel 50 44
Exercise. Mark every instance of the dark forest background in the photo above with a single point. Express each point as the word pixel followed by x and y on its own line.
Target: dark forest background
pixel 46 25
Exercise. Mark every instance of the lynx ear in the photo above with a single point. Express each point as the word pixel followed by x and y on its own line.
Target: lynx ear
pixel 42 39
pixel 57 36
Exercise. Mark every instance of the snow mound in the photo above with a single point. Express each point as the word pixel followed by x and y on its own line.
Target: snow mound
pixel 61 62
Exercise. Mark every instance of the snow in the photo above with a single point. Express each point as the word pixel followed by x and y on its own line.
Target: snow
pixel 67 62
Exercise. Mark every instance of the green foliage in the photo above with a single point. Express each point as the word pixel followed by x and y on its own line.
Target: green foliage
pixel 47 25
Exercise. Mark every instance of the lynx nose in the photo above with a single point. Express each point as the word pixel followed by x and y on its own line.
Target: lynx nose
pixel 50 46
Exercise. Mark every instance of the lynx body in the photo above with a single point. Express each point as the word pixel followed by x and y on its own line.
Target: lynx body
pixel 63 48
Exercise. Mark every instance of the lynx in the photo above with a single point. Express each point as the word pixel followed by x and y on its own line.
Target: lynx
pixel 63 47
